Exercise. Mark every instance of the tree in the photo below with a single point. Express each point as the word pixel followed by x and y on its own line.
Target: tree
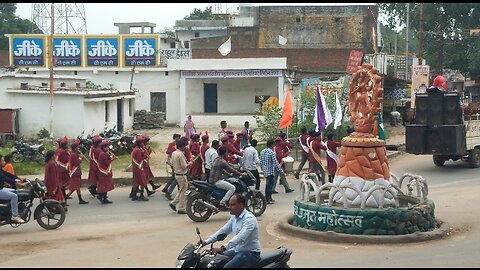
pixel 12 24
pixel 446 26
pixel 169 31
pixel 198 14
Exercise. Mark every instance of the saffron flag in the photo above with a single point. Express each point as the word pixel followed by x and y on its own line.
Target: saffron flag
pixel 338 113
pixel 282 40
pixel 226 47
pixel 322 117
pixel 287 113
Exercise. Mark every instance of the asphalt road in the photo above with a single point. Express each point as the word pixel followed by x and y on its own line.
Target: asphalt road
pixel 149 234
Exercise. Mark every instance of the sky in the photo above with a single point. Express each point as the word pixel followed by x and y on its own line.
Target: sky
pixel 101 16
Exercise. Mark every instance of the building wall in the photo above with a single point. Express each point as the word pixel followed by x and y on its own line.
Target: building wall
pixel 234 95
pixel 190 35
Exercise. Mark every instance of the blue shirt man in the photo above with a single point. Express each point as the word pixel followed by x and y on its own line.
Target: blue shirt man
pixel 269 163
pixel 244 248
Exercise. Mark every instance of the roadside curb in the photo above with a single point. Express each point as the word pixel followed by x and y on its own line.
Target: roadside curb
pixel 285 225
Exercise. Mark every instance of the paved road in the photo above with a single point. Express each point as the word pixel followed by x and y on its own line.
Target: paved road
pixel 149 234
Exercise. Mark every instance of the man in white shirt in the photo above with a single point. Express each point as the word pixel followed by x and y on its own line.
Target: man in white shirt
pixel 210 155
pixel 251 160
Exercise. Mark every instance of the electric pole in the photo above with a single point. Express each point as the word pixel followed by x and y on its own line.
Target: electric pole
pixel 406 48
pixel 420 37
pixel 50 56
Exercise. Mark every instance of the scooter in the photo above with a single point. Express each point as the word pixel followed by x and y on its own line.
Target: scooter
pixel 197 256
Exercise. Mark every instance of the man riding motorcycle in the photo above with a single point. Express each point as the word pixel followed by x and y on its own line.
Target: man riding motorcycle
pixel 219 167
pixel 8 193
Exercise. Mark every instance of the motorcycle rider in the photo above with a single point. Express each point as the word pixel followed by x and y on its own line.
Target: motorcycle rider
pixel 219 167
pixel 7 193
pixel 244 248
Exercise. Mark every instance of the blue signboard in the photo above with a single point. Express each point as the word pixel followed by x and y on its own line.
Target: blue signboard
pixel 67 51
pixel 28 51
pixel 102 51
pixel 139 51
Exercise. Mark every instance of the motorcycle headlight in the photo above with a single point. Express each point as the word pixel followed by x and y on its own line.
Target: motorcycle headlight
pixel 179 263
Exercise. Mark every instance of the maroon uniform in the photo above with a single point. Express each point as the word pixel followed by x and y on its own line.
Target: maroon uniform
pixel 105 176
pixel 61 160
pixel 138 168
pixel 148 171
pixel 93 166
pixel 196 170
pixel 75 172
pixel 52 182
pixel 331 163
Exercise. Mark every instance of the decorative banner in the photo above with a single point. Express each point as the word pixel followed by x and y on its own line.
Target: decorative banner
pixel 67 51
pixel 354 61
pixel 102 51
pixel 251 73
pixel 27 51
pixel 139 50
pixel 419 80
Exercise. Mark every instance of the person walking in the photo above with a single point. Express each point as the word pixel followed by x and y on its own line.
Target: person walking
pixel 269 164
pixel 62 161
pixel 172 183
pixel 196 170
pixel 147 152
pixel 105 177
pixel 180 168
pixel 93 164
pixel 52 182
pixel 302 139
pixel 332 158
pixel 222 130
pixel 203 150
pixel 315 163
pixel 281 153
pixel 139 177
pixel 247 135
pixel 75 171
pixel 251 160
pixel 189 127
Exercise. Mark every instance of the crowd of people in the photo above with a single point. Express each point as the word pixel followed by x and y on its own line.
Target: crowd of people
pixel 191 157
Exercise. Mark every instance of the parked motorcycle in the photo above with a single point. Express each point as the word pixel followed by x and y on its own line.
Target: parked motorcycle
pixel 22 151
pixel 203 199
pixel 197 256
pixel 48 213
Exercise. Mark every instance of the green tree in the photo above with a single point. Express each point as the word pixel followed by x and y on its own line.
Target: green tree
pixel 12 24
pixel 446 26
pixel 206 14
pixel 169 31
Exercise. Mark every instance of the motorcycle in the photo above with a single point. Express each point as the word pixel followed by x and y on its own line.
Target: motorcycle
pixel 48 213
pixel 203 199
pixel 196 256
pixel 22 151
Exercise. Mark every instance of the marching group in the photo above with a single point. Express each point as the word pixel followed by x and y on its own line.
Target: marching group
pixel 188 158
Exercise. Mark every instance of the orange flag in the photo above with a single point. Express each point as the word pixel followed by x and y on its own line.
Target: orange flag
pixel 287 113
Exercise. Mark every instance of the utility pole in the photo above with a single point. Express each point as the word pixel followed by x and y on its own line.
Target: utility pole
pixel 406 48
pixel 420 37
pixel 50 56
pixel 395 58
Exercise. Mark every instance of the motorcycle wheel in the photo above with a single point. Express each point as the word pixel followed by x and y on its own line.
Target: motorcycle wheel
pixel 18 157
pixel 256 203
pixel 52 220
pixel 196 211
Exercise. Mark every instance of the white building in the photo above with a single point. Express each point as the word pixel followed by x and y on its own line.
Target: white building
pixel 75 108
pixel 186 30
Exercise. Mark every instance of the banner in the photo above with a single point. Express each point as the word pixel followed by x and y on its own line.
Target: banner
pixel 354 60
pixel 420 80
pixel 28 51
pixel 67 51
pixel 102 51
pixel 140 50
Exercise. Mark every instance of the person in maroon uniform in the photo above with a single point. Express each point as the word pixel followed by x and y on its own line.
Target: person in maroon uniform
pixel 75 171
pixel 139 179
pixel 62 160
pixel 203 149
pixel 238 140
pixel 105 176
pixel 302 139
pixel 232 150
pixel 315 163
pixel 147 151
pixel 280 153
pixel 332 158
pixel 53 184
pixel 196 170
pixel 93 166
pixel 172 183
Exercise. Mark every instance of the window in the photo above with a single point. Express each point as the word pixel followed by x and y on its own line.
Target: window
pixel 130 107
pixel 197 34
pixel 116 72
pixel 166 73
pixel 107 105
pixel 297 19
pixel 158 103
pixel 172 45
pixel 186 44
pixel 75 72
pixel 62 84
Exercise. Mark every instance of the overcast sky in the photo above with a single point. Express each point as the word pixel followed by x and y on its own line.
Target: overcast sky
pixel 102 16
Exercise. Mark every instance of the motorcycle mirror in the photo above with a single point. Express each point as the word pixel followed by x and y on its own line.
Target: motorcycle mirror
pixel 221 236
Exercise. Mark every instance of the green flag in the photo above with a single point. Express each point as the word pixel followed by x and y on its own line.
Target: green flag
pixel 381 130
